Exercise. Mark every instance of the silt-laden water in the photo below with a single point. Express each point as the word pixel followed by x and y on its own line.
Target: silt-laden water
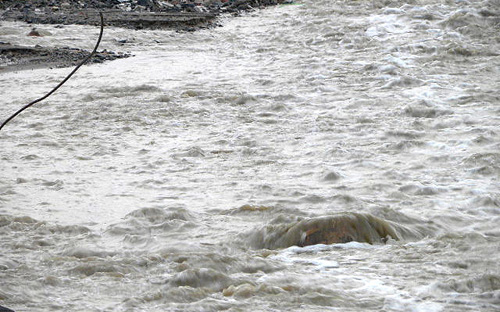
pixel 174 180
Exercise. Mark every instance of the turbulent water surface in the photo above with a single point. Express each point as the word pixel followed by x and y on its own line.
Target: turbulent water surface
pixel 182 179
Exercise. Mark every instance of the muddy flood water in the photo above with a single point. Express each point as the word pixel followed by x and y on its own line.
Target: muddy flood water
pixel 203 173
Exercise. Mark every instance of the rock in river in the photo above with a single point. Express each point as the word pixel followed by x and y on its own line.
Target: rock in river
pixel 335 229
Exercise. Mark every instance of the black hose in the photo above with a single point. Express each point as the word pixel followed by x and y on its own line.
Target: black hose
pixel 65 79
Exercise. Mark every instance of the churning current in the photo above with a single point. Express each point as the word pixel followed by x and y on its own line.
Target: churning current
pixel 189 177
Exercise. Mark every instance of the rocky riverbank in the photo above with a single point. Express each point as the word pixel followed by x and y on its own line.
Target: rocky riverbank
pixel 136 14
pixel 14 57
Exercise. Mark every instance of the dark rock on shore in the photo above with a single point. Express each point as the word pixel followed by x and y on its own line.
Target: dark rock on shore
pixel 4 309
pixel 14 57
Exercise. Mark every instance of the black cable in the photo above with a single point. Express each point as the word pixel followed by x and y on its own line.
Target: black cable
pixel 65 79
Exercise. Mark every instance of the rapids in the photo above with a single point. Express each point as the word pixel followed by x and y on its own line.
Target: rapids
pixel 184 178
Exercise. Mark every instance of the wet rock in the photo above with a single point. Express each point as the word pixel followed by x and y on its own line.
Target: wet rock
pixel 4 309
pixel 14 57
pixel 344 229
pixel 34 33
pixel 331 176
pixel 203 277
pixel 335 229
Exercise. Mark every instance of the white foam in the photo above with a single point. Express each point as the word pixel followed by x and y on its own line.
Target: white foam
pixel 400 303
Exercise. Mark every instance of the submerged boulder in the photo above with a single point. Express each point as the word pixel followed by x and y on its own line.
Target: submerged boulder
pixel 335 229
pixel 344 229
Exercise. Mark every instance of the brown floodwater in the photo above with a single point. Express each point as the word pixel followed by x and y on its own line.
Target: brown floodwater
pixel 322 156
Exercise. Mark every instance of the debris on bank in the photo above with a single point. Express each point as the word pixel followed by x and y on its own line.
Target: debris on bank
pixel 14 57
pixel 135 14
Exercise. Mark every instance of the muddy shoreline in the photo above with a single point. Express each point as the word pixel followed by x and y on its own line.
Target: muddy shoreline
pixel 15 58
pixel 134 14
